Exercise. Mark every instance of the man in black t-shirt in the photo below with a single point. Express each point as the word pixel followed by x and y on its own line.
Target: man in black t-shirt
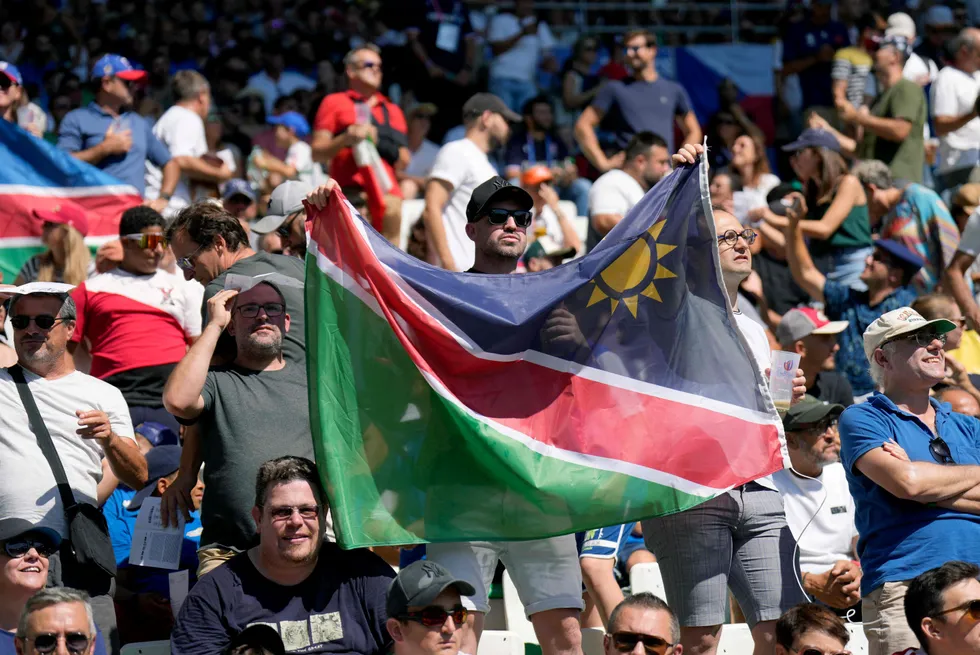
pixel 806 331
pixel 317 596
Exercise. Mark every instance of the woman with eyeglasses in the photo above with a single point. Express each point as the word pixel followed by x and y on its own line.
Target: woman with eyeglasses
pixel 811 629
pixel 67 258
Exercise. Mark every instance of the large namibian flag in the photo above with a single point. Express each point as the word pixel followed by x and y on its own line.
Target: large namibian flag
pixel 36 175
pixel 452 406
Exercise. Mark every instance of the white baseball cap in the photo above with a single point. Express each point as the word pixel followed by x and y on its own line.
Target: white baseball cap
pixel 895 323
pixel 901 24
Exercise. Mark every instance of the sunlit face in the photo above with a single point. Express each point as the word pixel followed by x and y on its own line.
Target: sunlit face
pixel 720 189
pixel 805 163
pixel 61 619
pixel 886 59
pixel 821 348
pixel 206 261
pixel 413 638
pixel 119 89
pixel 914 365
pixel 506 241
pixel 10 93
pixel 290 539
pixel 818 445
pixel 639 55
pixel 23 575
pixel 815 640
pixel 498 128
pixel 640 621
pixel 744 151
pixel 37 347
pixel 366 68
pixel 657 165
pixel 261 336
pixel 143 260
pixel 736 260
pixel 957 631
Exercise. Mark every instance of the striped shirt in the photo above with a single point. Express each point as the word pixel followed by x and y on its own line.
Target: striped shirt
pixel 854 65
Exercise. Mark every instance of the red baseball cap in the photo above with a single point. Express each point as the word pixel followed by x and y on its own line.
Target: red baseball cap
pixel 64 215
pixel 802 322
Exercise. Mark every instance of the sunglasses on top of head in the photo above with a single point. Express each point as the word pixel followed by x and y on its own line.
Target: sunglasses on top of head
pixel 435 616
pixel 498 216
pixel 147 240
pixel 47 642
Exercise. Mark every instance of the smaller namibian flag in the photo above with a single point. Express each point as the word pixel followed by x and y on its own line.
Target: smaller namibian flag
pixel 454 406
pixel 36 175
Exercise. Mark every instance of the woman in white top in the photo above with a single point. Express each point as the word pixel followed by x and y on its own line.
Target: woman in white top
pixel 749 160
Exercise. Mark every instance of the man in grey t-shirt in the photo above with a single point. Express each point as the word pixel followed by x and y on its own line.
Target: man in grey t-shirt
pixel 251 411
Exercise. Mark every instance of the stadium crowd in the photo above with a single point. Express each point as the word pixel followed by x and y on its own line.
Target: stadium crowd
pixel 493 140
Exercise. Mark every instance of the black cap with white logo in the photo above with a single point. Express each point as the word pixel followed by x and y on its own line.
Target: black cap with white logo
pixel 419 584
pixel 496 189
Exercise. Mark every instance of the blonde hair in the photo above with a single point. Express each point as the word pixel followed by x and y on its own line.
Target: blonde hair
pixel 76 259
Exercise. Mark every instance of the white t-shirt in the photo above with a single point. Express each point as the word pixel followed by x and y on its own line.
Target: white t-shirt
pixel 420 165
pixel 300 157
pixel 954 93
pixel 465 167
pixel 182 131
pixel 615 192
pixel 27 486
pixel 755 336
pixel 521 61
pixel 828 539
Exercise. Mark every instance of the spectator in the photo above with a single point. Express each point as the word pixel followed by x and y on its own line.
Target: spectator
pixel 722 189
pixel 839 223
pixel 520 44
pixel 617 191
pixel 808 52
pixel 539 144
pixel 543 254
pixel 954 111
pixel 8 356
pixel 422 151
pixel 274 81
pixel 629 107
pixel 959 342
pixel 809 628
pixel 287 216
pixel 887 274
pixel 291 129
pixel 940 27
pixel 607 556
pixel 579 84
pixel 810 333
pixel 118 141
pixel 53 617
pixel 936 604
pixel 960 400
pixel 545 571
pixel 921 71
pixel 642 619
pixel 819 507
pixel 852 65
pixel 67 258
pixel 549 219
pixel 88 420
pixel 459 167
pixel 238 199
pixel 425 614
pixel 962 272
pixel 345 119
pixel 911 468
pixel 728 124
pixel 11 88
pixel 255 313
pixel 914 216
pixel 319 596
pixel 750 162
pixel 181 130
pixel 122 311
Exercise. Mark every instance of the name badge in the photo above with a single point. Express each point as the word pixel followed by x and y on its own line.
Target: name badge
pixel 840 509
pixel 447 38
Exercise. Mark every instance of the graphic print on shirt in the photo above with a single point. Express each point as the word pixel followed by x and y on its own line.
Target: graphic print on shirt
pixel 302 636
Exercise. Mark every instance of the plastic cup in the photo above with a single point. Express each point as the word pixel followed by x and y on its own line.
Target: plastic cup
pixel 781 374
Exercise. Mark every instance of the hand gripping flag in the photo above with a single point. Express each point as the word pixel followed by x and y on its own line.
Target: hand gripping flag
pixel 36 175
pixel 453 406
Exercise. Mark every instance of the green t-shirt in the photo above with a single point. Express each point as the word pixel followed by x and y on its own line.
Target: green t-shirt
pixel 906 101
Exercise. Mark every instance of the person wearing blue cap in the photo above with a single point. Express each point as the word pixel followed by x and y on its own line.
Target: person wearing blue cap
pixel 10 91
pixel 888 271
pixel 238 199
pixel 291 128
pixel 109 135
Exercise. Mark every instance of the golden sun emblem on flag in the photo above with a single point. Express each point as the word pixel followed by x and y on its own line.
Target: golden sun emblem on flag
pixel 635 272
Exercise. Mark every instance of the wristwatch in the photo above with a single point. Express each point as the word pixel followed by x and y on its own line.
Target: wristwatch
pixel 167 196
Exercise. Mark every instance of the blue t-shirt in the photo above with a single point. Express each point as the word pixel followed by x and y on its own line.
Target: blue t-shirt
pixel 634 106
pixel 842 303
pixel 523 151
pixel 7 646
pixel 85 128
pixel 340 608
pixel 902 538
pixel 804 39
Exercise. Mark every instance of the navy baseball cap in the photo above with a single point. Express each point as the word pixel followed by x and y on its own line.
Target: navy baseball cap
pixel 12 527
pixel 813 138
pixel 12 73
pixel 161 461
pixel 293 120
pixel 901 255
pixel 117 66
pixel 157 434
pixel 238 187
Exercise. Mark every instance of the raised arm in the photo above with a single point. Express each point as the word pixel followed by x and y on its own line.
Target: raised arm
pixel 801 265
pixel 954 279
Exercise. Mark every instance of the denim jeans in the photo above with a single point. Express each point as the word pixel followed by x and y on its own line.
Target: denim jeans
pixel 513 92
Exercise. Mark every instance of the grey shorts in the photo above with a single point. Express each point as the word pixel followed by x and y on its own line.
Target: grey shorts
pixel 739 540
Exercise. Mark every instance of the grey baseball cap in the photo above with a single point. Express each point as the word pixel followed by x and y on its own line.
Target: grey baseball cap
pixel 286 199
pixel 804 321
pixel 419 584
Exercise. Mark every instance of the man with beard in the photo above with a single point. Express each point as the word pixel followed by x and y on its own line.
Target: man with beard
pixel 810 333
pixel 819 507
pixel 317 596
pixel 87 419
pixel 617 191
pixel 459 167
pixel 249 411
pixel 109 135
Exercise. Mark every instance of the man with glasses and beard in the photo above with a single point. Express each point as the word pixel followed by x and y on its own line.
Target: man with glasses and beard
pixel 913 467
pixel 642 624
pixel 123 311
pixel 317 596
pixel 109 135
pixel 942 607
pixel 253 409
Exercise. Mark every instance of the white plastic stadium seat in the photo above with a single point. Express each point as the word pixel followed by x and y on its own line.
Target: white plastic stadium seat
pixel 500 642
pixel 592 641
pixel 646 577
pixel 411 212
pixel 736 639
pixel 517 620
pixel 147 648
pixel 858 645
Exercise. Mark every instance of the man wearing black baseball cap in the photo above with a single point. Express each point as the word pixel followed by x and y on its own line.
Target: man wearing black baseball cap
pixel 425 613
pixel 497 217
pixel 458 169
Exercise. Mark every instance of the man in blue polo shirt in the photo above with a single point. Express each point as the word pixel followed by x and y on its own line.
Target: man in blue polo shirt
pixel 110 136
pixel 913 468
pixel 888 272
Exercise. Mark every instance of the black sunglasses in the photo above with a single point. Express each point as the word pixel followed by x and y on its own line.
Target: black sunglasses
pixel 498 216
pixel 625 642
pixel 20 546
pixel 5 82
pixel 814 651
pixel 43 321
pixel 284 229
pixel 822 426
pixel 434 616
pixel 939 450
pixel 731 237
pixel 47 642
pixel 271 309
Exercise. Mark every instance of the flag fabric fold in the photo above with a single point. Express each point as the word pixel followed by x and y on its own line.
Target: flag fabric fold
pixel 36 175
pixel 453 406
